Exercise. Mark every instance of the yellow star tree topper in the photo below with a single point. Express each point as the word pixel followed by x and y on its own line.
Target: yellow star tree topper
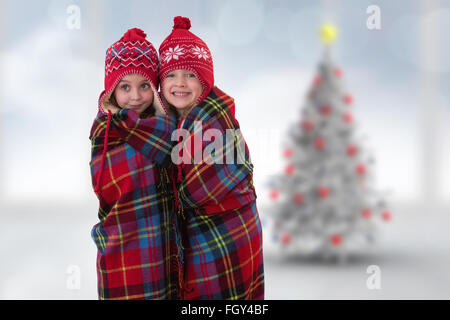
pixel 328 33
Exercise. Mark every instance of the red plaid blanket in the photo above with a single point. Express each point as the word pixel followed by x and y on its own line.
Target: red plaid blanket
pixel 222 231
pixel 136 237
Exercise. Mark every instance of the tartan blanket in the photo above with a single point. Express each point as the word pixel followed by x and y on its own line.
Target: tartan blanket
pixel 136 237
pixel 222 234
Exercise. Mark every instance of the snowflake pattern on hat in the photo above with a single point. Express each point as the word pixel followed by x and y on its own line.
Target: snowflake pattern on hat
pixel 172 53
pixel 185 51
pixel 200 53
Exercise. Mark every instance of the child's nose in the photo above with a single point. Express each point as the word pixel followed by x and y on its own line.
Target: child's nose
pixel 135 94
pixel 179 81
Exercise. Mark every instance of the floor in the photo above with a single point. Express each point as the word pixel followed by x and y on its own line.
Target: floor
pixel 47 253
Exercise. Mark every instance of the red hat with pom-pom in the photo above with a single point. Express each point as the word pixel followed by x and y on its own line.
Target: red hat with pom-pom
pixel 184 50
pixel 132 54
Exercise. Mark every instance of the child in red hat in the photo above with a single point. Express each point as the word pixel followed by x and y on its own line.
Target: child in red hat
pixel 139 247
pixel 222 235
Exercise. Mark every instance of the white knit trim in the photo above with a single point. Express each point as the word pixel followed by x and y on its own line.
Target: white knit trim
pixel 148 55
pixel 153 67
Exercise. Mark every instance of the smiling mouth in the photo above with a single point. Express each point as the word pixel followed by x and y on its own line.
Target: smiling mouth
pixel 180 94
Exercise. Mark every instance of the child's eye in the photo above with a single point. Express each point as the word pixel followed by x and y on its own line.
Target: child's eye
pixel 124 87
pixel 145 86
pixel 191 75
pixel 170 75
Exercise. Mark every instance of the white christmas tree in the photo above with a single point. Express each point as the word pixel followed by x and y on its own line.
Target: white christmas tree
pixel 324 203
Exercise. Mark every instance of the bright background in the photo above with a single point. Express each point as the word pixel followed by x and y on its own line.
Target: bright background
pixel 265 56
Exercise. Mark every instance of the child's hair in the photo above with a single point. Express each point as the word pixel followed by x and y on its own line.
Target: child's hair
pixel 172 109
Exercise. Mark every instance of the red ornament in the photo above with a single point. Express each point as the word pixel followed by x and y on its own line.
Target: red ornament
pixel 289 169
pixel 348 117
pixel 319 143
pixel 274 194
pixel 386 215
pixel 325 110
pixel 323 192
pixel 298 198
pixel 351 150
pixel 288 152
pixel 336 239
pixel 317 80
pixel 286 238
pixel 307 125
pixel 338 72
pixel 348 99
pixel 367 213
pixel 361 169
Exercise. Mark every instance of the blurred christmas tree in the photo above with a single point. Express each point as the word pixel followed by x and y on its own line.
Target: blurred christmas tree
pixel 323 203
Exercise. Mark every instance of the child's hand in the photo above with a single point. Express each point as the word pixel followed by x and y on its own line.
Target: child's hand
pixel 108 106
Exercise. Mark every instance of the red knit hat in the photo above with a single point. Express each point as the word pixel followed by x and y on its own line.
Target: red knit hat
pixel 184 50
pixel 132 54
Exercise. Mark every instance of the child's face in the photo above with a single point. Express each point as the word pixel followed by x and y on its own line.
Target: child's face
pixel 134 92
pixel 181 88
